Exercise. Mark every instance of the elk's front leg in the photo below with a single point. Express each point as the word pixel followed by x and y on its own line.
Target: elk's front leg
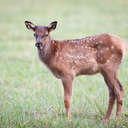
pixel 68 86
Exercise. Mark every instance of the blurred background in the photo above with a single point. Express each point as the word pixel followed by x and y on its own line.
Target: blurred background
pixel 29 95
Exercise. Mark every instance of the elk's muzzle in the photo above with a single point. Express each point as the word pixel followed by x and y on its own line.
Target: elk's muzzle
pixel 38 45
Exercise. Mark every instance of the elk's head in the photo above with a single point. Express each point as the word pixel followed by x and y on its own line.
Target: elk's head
pixel 41 33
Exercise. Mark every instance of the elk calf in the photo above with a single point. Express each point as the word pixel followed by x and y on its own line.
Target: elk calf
pixel 69 58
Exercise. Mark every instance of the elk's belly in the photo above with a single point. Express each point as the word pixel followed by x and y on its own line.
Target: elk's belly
pixel 85 66
pixel 88 69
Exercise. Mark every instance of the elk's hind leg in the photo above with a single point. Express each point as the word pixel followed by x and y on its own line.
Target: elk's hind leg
pixel 111 95
pixel 111 103
pixel 119 91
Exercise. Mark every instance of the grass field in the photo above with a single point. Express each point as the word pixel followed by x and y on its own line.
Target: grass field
pixel 30 97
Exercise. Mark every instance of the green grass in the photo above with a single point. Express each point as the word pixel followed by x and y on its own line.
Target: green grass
pixel 30 97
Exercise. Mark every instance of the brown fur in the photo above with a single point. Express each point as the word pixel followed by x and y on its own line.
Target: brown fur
pixel 69 58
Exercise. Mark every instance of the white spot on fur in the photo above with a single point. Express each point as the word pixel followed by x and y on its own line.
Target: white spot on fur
pixel 101 51
pixel 108 61
pixel 107 49
pixel 101 41
pixel 112 47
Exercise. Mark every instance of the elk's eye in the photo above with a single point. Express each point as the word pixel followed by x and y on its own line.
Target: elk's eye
pixel 44 35
pixel 35 35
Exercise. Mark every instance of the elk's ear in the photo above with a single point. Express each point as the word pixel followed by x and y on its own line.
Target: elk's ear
pixel 52 26
pixel 30 25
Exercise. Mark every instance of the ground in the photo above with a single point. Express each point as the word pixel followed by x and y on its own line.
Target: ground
pixel 30 97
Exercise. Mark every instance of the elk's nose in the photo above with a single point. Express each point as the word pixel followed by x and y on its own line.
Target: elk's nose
pixel 38 44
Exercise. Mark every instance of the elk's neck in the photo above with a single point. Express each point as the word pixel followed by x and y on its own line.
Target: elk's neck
pixel 45 52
